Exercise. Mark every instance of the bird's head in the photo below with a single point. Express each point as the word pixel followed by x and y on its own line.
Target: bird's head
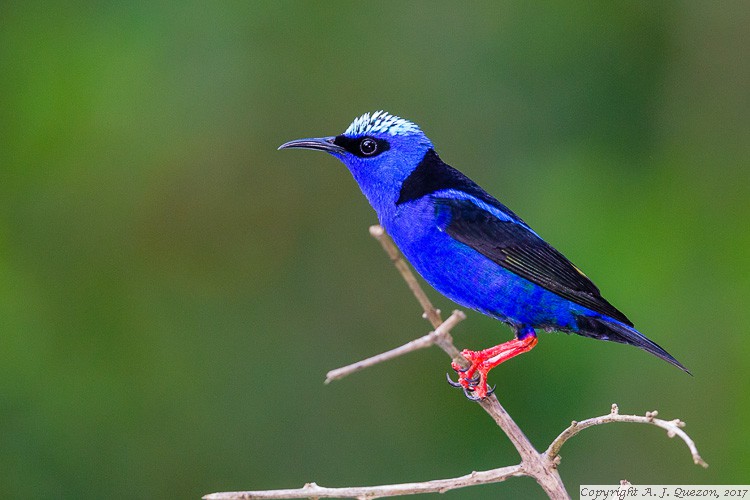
pixel 379 149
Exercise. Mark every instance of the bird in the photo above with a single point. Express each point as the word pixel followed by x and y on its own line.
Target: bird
pixel 470 247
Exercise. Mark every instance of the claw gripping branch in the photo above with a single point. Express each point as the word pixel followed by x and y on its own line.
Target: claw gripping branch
pixel 473 379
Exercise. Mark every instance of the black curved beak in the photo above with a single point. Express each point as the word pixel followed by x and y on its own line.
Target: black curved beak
pixel 317 143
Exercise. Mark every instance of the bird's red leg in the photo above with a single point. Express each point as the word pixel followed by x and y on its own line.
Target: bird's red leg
pixel 484 361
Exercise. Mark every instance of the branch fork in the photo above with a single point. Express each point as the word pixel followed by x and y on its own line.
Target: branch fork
pixel 542 467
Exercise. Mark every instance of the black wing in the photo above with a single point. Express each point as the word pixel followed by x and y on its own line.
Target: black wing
pixel 515 247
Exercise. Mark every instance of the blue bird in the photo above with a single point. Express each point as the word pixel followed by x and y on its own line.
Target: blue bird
pixel 470 247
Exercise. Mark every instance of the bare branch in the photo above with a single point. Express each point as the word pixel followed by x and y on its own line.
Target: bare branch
pixel 673 428
pixel 443 330
pixel 312 490
pixel 545 473
pixel 432 314
pixel 540 466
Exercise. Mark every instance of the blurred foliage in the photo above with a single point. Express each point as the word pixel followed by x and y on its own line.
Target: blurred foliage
pixel 173 290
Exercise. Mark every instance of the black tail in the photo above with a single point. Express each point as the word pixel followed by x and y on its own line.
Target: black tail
pixel 614 331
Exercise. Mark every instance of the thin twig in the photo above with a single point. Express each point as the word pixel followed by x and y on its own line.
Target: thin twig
pixel 673 428
pixel 312 490
pixel 540 466
pixel 544 472
pixel 426 341
pixel 432 314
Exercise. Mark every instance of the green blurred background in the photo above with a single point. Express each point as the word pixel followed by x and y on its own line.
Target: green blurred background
pixel 173 289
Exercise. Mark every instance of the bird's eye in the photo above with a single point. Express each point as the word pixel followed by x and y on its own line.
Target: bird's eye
pixel 368 147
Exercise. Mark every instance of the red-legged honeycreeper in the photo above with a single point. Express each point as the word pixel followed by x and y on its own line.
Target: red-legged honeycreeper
pixel 470 247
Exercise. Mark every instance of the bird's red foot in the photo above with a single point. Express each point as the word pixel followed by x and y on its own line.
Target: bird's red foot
pixel 473 379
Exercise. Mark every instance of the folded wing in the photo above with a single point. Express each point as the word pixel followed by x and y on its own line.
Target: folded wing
pixel 511 244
